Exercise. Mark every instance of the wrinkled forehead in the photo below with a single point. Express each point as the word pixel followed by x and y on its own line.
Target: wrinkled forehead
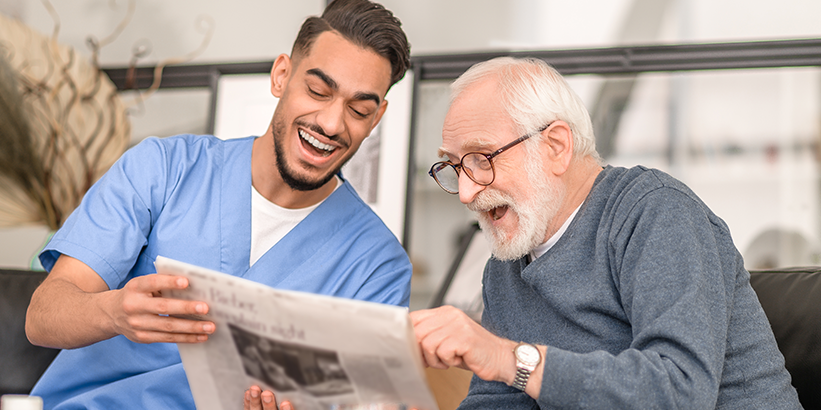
pixel 475 124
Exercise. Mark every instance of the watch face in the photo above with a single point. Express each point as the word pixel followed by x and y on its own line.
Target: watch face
pixel 528 354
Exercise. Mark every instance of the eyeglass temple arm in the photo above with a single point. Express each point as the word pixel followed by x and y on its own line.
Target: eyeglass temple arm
pixel 516 141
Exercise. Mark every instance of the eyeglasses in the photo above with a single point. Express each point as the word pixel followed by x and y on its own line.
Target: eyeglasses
pixel 477 165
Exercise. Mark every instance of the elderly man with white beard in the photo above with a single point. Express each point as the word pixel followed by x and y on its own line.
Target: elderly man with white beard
pixel 609 287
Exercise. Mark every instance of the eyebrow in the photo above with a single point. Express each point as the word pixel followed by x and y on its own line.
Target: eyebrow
pixel 362 96
pixel 470 145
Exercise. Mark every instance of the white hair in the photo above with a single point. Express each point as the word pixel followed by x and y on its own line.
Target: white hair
pixel 534 94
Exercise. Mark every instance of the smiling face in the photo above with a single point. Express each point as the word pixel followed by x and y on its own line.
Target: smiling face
pixel 529 213
pixel 329 102
pixel 517 208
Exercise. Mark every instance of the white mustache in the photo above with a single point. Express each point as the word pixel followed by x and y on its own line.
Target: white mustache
pixel 489 199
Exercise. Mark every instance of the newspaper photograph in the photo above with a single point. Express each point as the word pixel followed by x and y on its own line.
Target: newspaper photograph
pixel 318 352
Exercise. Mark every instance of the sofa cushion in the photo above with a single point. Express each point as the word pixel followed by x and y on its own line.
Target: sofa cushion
pixel 791 299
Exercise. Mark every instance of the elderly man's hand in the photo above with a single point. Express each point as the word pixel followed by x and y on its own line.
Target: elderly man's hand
pixel 256 399
pixel 448 337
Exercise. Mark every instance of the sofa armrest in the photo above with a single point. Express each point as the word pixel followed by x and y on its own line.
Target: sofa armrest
pixel 21 362
pixel 791 299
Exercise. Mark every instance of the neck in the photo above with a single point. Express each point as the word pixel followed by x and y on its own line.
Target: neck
pixel 578 180
pixel 269 183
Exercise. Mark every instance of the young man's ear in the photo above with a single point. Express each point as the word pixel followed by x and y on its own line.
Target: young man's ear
pixel 280 73
pixel 379 113
pixel 559 140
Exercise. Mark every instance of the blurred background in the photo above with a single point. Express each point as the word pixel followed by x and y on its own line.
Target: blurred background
pixel 746 140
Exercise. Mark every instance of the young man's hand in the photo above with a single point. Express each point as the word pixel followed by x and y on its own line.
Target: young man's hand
pixel 141 314
pixel 74 307
pixel 256 399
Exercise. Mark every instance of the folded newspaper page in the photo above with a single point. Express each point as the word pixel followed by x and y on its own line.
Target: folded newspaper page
pixel 319 352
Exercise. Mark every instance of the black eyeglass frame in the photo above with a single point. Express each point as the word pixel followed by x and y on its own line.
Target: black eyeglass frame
pixel 489 157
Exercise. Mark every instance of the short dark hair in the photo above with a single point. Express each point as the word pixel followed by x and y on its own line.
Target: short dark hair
pixel 364 23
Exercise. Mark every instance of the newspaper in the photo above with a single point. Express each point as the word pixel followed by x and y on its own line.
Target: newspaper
pixel 319 352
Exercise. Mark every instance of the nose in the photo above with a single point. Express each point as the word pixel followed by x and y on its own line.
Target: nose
pixel 467 188
pixel 332 117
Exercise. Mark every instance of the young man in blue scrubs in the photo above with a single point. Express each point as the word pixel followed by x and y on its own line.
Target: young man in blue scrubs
pixel 272 209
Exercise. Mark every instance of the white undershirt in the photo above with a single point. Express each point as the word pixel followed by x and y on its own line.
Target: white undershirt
pixel 271 222
pixel 541 249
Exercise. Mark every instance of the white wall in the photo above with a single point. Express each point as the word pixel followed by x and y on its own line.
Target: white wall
pixel 243 30
pixel 246 30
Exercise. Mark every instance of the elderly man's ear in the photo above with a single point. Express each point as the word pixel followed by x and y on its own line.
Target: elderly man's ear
pixel 558 140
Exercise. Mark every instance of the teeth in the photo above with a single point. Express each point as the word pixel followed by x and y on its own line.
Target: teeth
pixel 497 213
pixel 315 142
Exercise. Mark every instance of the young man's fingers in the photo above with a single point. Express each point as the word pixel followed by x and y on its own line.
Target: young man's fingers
pixel 269 401
pixel 155 328
pixel 168 306
pixel 157 282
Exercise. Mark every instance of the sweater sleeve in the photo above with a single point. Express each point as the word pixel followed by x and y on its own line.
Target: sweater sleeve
pixel 665 263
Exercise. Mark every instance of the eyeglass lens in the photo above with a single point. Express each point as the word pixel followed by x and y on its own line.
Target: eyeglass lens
pixel 476 165
pixel 446 176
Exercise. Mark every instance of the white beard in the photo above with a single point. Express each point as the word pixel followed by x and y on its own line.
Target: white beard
pixel 534 214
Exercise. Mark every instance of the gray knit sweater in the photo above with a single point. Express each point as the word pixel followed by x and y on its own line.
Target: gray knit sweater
pixel 644 303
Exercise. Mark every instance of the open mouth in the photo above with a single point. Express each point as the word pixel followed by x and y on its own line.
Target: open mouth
pixel 318 147
pixel 491 205
pixel 497 213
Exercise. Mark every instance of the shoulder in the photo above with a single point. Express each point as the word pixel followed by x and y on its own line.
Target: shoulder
pixel 358 221
pixel 358 213
pixel 624 188
pixel 179 144
pixel 183 151
pixel 638 180
pixel 628 197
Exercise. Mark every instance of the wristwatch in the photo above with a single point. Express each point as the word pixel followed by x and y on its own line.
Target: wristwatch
pixel 527 358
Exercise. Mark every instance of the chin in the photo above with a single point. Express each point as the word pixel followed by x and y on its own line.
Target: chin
pixel 296 180
pixel 304 184
pixel 507 255
pixel 505 246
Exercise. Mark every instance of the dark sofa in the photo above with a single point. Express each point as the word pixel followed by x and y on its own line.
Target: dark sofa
pixel 791 298
pixel 21 363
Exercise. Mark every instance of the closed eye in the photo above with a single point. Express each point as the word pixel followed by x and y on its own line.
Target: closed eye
pixel 359 114
pixel 315 93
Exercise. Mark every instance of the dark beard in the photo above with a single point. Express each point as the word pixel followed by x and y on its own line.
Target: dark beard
pixel 295 182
